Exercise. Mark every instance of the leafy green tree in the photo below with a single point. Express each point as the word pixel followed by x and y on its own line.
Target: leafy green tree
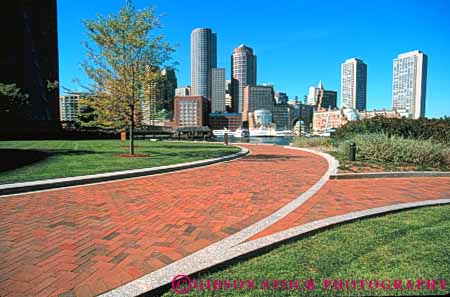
pixel 125 52
pixel 13 103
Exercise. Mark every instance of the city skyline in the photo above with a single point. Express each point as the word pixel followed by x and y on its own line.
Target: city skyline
pixel 293 55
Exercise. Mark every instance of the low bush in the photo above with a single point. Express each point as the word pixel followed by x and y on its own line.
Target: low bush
pixel 397 150
pixel 314 142
pixel 437 130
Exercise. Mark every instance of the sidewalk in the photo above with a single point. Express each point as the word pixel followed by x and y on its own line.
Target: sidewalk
pixel 83 241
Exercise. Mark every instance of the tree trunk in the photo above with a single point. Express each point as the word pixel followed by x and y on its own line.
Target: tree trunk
pixel 132 130
pixel 132 114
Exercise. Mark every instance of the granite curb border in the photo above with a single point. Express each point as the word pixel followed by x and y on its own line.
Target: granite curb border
pixel 16 188
pixel 261 245
pixel 397 174
pixel 213 254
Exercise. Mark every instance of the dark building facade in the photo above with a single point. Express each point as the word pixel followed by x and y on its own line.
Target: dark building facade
pixel 29 59
pixel 169 84
pixel 219 121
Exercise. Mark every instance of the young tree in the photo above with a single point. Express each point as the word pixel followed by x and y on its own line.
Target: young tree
pixel 121 50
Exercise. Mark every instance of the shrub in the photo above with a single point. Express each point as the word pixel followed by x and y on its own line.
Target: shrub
pixel 314 142
pixel 398 150
pixel 425 129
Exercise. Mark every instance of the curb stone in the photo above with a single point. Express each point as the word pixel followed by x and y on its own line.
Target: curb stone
pixel 17 188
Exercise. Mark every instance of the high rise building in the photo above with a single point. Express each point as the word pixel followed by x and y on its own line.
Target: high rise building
pixel 69 107
pixel 217 90
pixel 354 84
pixel 168 87
pixel 29 59
pixel 311 98
pixel 243 73
pixel 158 95
pixel 228 98
pixel 183 91
pixel 257 98
pixel 203 58
pixel 321 98
pixel 409 85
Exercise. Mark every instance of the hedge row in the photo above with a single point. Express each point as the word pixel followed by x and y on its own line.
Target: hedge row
pixel 398 150
pixel 437 130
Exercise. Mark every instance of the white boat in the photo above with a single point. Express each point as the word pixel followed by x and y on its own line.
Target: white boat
pixel 284 133
pixel 222 132
pixel 241 133
pixel 262 132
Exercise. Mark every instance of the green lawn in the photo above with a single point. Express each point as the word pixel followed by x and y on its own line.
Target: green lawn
pixel 35 160
pixel 413 244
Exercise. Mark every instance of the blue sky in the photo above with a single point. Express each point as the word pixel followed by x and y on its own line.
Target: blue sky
pixel 297 43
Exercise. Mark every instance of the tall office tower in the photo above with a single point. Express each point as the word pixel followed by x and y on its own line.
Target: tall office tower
pixel 354 84
pixel 168 87
pixel 257 98
pixel 243 73
pixel 311 98
pixel 409 86
pixel 29 59
pixel 228 99
pixel 218 90
pixel 203 58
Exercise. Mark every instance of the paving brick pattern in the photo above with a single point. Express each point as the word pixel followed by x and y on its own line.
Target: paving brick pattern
pixel 87 240
pixel 340 197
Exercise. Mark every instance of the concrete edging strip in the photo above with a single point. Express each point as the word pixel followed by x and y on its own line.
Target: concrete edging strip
pixel 397 174
pixel 214 254
pixel 164 276
pixel 16 188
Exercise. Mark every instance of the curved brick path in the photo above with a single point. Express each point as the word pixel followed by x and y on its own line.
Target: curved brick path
pixel 86 240
pixel 340 197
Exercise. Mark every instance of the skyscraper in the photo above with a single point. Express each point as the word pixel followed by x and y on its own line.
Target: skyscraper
pixel 168 87
pixel 243 73
pixel 228 100
pixel 257 98
pixel 218 90
pixel 354 84
pixel 409 85
pixel 203 58
pixel 29 59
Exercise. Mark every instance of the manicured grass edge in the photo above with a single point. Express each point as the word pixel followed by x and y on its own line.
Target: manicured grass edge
pixel 15 188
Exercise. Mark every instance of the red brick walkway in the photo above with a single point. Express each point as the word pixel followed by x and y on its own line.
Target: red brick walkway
pixel 340 197
pixel 86 240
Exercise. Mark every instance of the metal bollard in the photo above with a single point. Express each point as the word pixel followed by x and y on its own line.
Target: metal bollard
pixel 225 138
pixel 352 152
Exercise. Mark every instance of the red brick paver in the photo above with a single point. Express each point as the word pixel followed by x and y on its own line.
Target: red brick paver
pixel 340 197
pixel 86 240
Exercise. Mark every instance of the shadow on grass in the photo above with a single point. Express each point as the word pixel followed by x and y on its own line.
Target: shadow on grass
pixel 12 158
pixel 16 158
